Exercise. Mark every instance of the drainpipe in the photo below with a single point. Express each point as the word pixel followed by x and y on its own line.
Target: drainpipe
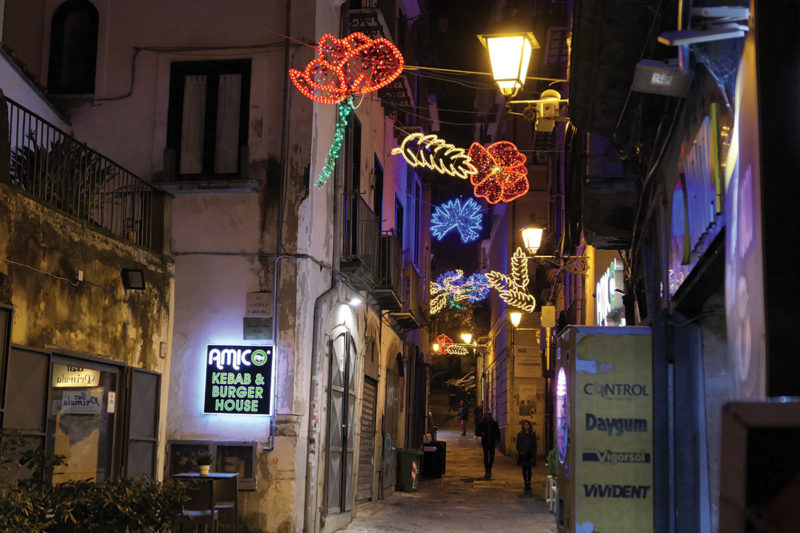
pixel 312 462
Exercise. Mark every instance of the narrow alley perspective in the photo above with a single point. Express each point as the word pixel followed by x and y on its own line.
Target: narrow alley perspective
pixel 461 500
pixel 311 266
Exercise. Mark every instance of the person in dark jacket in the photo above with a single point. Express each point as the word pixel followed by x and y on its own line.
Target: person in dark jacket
pixel 526 452
pixel 489 432
pixel 463 414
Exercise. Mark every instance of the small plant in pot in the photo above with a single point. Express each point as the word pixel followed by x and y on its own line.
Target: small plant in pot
pixel 203 459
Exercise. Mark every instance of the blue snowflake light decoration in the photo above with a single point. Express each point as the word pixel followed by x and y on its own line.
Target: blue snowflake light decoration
pixel 465 217
pixel 457 288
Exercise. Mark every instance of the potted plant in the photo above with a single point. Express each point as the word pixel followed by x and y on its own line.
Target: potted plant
pixel 203 459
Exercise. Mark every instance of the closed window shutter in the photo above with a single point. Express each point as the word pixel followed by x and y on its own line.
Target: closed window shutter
pixel 144 393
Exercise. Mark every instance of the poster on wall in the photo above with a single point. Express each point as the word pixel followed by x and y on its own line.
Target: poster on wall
pixel 239 380
pixel 614 434
pixel 81 402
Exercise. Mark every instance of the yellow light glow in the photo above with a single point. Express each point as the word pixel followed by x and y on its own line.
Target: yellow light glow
pixel 429 151
pixel 532 238
pixel 515 317
pixel 510 55
pixel 466 337
pixel 435 346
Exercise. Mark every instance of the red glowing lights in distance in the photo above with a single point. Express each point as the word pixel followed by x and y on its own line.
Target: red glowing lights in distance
pixel 502 175
pixel 444 342
pixel 343 67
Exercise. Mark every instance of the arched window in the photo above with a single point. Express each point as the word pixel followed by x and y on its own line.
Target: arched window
pixel 73 48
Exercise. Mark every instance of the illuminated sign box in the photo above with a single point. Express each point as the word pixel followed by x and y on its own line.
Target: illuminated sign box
pixel 239 380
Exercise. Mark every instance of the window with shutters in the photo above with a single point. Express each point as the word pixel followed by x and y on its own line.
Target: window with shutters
pixel 208 119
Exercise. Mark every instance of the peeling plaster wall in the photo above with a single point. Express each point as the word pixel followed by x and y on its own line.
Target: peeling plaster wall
pixel 97 316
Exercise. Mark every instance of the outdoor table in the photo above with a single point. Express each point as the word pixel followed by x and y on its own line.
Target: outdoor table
pixel 224 491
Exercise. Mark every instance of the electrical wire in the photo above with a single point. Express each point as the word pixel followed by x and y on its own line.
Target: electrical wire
pixel 470 124
pixel 74 283
pixel 476 73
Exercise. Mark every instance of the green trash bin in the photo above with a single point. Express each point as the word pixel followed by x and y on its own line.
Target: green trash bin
pixel 408 466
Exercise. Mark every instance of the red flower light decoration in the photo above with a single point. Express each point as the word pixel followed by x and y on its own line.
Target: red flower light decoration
pixel 343 67
pixel 502 175
pixel 444 342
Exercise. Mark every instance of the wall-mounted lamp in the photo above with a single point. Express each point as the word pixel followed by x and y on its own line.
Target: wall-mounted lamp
pixel 467 338
pixel 510 55
pixel 133 279
pixel 532 238
pixel 515 317
pixel 355 301
pixel 436 347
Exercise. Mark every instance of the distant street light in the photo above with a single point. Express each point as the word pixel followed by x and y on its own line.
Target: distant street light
pixel 515 317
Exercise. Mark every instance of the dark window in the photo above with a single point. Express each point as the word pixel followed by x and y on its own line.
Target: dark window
pixel 398 219
pixel 208 118
pixel 377 198
pixel 417 219
pixel 73 48
pixel 354 153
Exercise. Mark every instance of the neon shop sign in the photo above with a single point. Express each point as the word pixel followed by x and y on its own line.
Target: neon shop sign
pixel 239 380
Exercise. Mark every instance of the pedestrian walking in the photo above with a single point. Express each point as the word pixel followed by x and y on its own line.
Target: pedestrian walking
pixel 526 452
pixel 463 414
pixel 489 432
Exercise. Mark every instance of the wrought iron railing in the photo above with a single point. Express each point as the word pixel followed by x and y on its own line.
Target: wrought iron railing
pixel 391 263
pixel 60 172
pixel 361 234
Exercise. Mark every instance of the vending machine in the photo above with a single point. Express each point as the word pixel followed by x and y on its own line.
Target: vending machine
pixel 603 410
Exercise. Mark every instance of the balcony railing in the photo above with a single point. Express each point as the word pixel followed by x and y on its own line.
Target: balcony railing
pixel 388 292
pixel 62 173
pixel 360 247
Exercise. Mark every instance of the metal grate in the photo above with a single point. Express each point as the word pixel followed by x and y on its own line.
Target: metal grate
pixel 63 173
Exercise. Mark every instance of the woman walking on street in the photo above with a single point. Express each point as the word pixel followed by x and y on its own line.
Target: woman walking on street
pixel 526 451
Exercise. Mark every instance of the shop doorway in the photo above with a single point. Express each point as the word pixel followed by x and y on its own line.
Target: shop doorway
pixel 82 418
pixel 102 416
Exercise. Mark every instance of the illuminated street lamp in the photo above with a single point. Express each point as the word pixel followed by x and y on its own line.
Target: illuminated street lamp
pixel 532 238
pixel 436 347
pixel 467 338
pixel 515 317
pixel 510 55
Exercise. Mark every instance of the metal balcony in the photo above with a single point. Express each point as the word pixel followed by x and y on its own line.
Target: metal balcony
pixel 412 315
pixel 388 293
pixel 62 173
pixel 360 246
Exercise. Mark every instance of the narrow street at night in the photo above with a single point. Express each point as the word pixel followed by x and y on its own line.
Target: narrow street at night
pixel 417 266
pixel 461 500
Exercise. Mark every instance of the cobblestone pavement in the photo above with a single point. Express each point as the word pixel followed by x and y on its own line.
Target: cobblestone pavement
pixel 460 500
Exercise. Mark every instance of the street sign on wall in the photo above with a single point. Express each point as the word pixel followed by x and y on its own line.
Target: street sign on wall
pixel 239 379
